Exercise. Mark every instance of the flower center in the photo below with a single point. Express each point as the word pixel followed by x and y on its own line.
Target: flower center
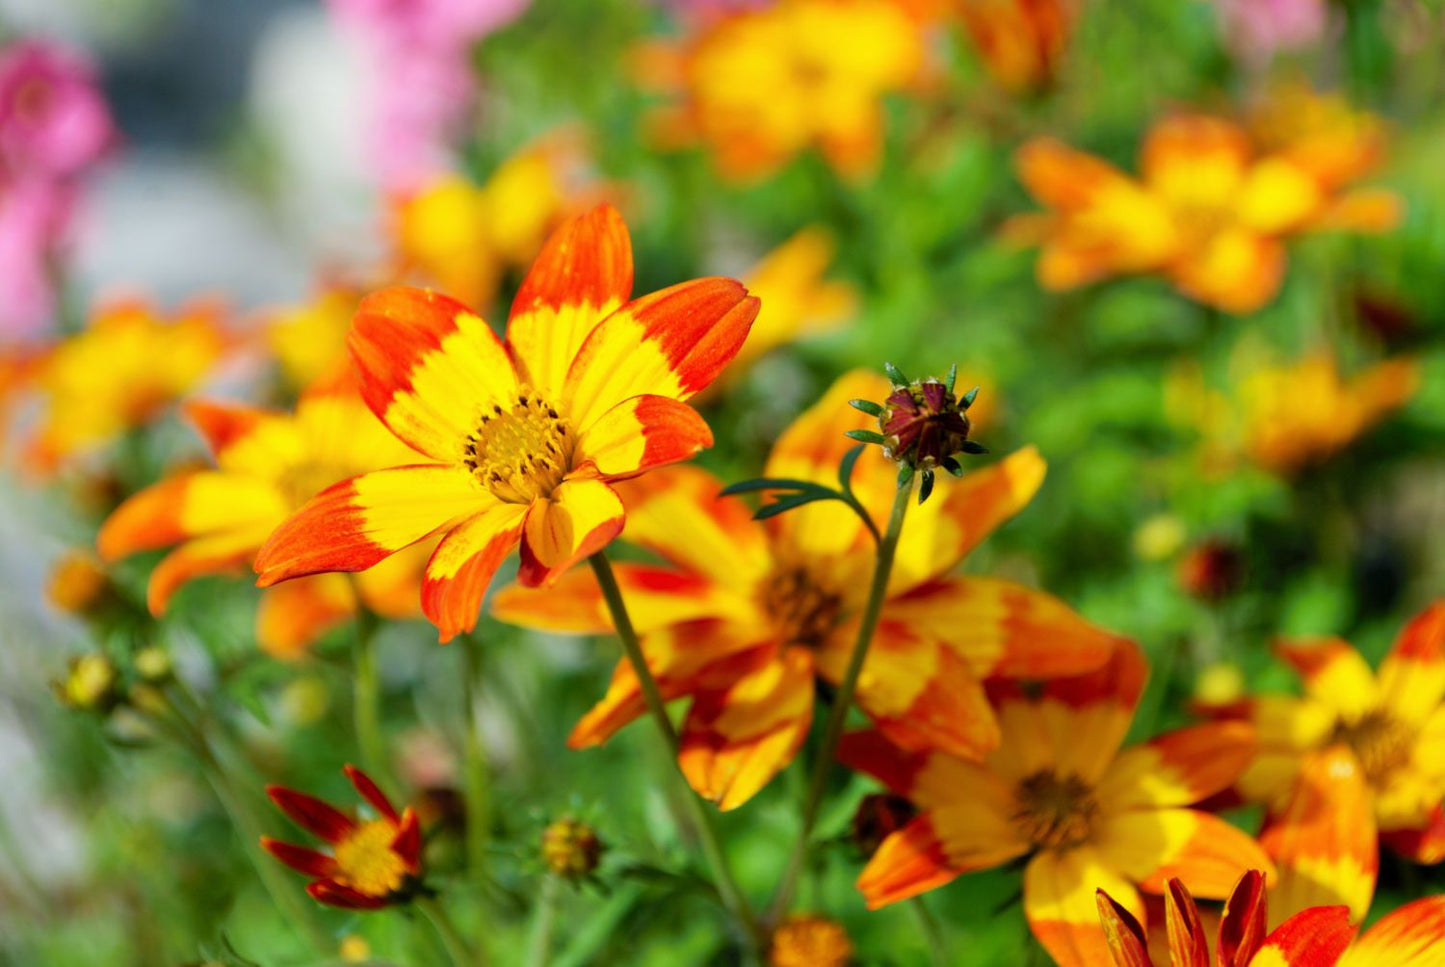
pixel 366 861
pixel 1381 742
pixel 804 610
pixel 522 453
pixel 1054 812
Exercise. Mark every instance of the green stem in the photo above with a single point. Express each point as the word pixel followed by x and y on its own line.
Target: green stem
pixel 284 893
pixel 457 950
pixel 539 937
pixel 366 698
pixel 843 699
pixel 937 949
pixel 732 897
pixel 478 788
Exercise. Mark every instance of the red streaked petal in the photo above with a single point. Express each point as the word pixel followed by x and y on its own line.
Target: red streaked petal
pixel 736 739
pixel 222 425
pixel 909 862
pixel 216 554
pixel 311 814
pixel 407 843
pixel 371 792
pixel 460 569
pixel 1188 947
pixel 671 343
pixel 1181 767
pixel 641 433
pixel 335 894
pixel 299 858
pixel 1412 676
pixel 427 364
pixel 1127 941
pixel 583 274
pixel 189 505
pixel 1245 922
pixel 352 525
pixel 1001 628
pixel 1060 902
pixel 1323 840
pixel 1085 718
pixel 1333 672
pixel 1316 937
pixel 580 518
pixel 1413 935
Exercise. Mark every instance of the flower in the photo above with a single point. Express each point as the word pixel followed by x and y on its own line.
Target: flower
pixel 746 617
pixel 91 683
pixel 373 863
pixel 1021 42
pixel 1285 417
pixel 54 123
pixel 571 848
pixel 1316 937
pixel 120 372
pixel 796 300
pixel 1210 213
pixel 308 340
pixel 462 237
pixel 1058 791
pixel 267 465
pixel 34 215
pixel 1256 29
pixel 1212 570
pixel 521 439
pixel 77 584
pixel 1366 742
pixel 761 86
pixel 808 940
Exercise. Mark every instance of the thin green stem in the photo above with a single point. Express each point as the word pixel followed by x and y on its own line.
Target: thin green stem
pixel 478 786
pixel 539 937
pixel 937 949
pixel 366 697
pixel 843 699
pixel 461 955
pixel 727 887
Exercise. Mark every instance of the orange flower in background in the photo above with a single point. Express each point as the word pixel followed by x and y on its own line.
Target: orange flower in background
pixel 121 372
pixel 746 616
pixel 1285 417
pixel 521 440
pixel 462 237
pixel 761 86
pixel 1210 212
pixel 796 300
pixel 1021 42
pixel 810 941
pixel 1320 936
pixel 373 863
pixel 1058 792
pixel 267 465
pixel 1367 746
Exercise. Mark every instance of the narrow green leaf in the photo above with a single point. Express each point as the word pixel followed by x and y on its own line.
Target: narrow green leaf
pixel 895 374
pixel 952 378
pixel 867 406
pixel 845 469
pixel 767 483
pixel 784 504
pixel 865 436
pixel 925 486
pixel 967 399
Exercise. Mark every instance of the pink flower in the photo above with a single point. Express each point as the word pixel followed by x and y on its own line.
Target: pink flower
pixel 434 24
pixel 54 122
pixel 32 215
pixel 1257 29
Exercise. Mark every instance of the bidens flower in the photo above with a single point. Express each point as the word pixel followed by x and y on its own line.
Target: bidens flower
pixel 1021 42
pixel 267 465
pixel 373 863
pixel 1210 212
pixel 805 940
pixel 521 439
pixel 1058 791
pixel 748 616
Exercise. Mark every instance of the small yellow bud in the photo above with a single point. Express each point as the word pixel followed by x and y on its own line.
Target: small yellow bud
pixel 806 940
pixel 571 848
pixel 89 683
pixel 77 584
pixel 1159 537
pixel 148 699
pixel 153 664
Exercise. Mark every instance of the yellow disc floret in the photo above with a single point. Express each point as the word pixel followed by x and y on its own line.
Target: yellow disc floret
pixel 519 453
pixel 366 862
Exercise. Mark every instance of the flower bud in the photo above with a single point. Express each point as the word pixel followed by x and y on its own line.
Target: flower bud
pixel 922 424
pixel 1212 571
pixel 570 848
pixel 153 664
pixel 89 684
pixel 77 584
pixel 808 940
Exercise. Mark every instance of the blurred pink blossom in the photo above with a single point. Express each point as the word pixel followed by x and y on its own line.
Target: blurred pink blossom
pixel 33 213
pixel 1257 29
pixel 423 85
pixel 53 120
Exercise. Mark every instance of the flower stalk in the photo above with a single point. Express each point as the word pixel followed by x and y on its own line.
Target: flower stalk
pixel 366 696
pixel 461 955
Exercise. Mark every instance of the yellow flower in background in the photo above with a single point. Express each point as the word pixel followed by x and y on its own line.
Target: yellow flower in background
pixel 1209 212
pixel 761 86
pixel 461 237
pixel 1021 42
pixel 1285 417
pixel 126 367
pixel 308 340
pixel 808 940
pixel 267 465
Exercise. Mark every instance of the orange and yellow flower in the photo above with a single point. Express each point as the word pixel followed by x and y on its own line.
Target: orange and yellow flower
pixel 761 86
pixel 1210 212
pixel 1368 746
pixel 810 941
pixel 126 367
pixel 520 440
pixel 1284 418
pixel 745 617
pixel 1058 792
pixel 461 237
pixel 1322 936
pixel 308 340
pixel 1021 42
pixel 267 465
pixel 373 863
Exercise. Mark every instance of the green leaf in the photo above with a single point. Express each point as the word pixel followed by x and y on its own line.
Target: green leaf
pixel 867 406
pixel 895 374
pixel 925 486
pixel 952 378
pixel 783 504
pixel 768 483
pixel 845 469
pixel 865 436
pixel 967 399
